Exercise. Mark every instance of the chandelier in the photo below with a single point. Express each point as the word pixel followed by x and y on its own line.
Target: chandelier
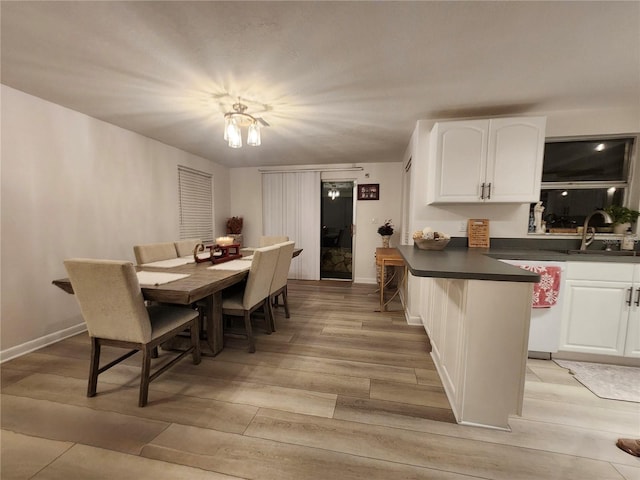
pixel 239 118
pixel 334 192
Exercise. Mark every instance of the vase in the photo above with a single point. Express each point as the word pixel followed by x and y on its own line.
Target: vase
pixel 385 241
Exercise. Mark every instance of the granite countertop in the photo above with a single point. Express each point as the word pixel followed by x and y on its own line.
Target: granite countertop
pixel 457 261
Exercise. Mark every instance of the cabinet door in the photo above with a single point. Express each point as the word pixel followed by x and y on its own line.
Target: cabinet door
pixel 595 317
pixel 459 158
pixel 452 335
pixel 515 155
pixel 632 344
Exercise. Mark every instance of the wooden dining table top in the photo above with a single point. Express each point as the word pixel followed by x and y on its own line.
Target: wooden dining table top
pixel 200 283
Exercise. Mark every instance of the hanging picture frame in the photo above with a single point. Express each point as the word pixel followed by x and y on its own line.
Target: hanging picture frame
pixel 369 191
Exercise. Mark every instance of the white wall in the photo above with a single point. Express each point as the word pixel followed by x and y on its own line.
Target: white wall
pixel 74 186
pixel 246 201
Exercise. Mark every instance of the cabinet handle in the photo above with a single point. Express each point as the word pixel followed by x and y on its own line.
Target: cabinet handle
pixel 482 191
pixel 489 190
pixel 630 295
pixel 637 302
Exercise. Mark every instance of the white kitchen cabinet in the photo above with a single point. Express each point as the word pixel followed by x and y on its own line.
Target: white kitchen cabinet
pixel 486 160
pixel 479 332
pixel 632 342
pixel 601 313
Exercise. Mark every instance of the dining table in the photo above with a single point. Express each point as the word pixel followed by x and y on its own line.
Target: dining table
pixel 203 284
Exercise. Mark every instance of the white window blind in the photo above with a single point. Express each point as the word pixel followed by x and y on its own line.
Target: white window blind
pixel 196 204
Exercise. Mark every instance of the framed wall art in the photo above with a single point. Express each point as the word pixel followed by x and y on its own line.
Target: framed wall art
pixel 369 191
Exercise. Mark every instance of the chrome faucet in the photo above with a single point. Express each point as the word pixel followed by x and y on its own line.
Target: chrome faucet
pixel 585 243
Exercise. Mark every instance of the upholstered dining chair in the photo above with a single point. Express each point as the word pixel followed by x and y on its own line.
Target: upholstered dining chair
pixel 266 241
pixel 154 252
pixel 255 293
pixel 280 277
pixel 184 248
pixel 113 308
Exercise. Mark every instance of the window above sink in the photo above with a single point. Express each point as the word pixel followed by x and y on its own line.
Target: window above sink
pixel 581 175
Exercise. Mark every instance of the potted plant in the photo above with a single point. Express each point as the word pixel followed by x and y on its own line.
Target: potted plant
pixel 234 225
pixel 622 217
pixel 386 230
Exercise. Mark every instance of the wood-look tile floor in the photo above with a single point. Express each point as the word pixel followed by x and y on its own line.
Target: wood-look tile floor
pixel 338 392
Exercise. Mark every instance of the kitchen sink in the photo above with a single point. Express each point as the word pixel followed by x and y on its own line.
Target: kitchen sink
pixel 608 253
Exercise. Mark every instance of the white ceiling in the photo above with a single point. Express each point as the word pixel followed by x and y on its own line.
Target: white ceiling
pixel 339 82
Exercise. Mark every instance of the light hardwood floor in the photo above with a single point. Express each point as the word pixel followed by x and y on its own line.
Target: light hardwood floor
pixel 338 392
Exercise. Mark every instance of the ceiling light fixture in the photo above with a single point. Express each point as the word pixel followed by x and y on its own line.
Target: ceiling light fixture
pixel 334 192
pixel 239 118
pixel 600 147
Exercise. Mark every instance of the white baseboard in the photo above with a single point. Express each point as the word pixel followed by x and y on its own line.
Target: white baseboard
pixel 413 319
pixel 367 280
pixel 41 342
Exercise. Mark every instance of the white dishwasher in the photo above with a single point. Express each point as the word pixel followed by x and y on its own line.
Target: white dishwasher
pixel 544 332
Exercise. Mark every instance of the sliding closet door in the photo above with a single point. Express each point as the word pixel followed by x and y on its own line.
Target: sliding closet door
pixel 291 206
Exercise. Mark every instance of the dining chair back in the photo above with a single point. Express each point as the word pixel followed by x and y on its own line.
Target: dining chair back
pixel 184 248
pixel 256 291
pixel 154 252
pixel 113 308
pixel 280 278
pixel 266 241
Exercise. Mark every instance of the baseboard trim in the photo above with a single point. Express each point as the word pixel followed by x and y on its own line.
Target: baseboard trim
pixel 367 280
pixel 38 343
pixel 596 358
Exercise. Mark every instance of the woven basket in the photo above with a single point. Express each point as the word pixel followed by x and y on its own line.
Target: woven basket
pixel 424 244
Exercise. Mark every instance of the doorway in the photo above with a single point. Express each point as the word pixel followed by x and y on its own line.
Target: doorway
pixel 336 251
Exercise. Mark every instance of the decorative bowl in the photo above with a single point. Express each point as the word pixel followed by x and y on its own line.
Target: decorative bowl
pixel 437 244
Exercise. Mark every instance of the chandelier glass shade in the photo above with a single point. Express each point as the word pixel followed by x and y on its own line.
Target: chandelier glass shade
pixel 239 118
pixel 333 193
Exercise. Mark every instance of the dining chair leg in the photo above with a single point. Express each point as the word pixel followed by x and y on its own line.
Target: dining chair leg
pixel 247 326
pixel 94 367
pixel 285 301
pixel 144 376
pixel 269 318
pixel 195 341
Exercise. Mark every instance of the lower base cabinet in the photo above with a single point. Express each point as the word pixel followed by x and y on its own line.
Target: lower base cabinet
pixel 601 313
pixel 479 332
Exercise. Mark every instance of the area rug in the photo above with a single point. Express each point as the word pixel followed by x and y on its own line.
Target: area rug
pixel 606 381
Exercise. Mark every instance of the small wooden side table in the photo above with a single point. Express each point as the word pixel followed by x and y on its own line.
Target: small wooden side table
pixel 389 257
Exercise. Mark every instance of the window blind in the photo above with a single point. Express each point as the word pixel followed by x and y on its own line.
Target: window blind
pixel 196 204
pixel 291 207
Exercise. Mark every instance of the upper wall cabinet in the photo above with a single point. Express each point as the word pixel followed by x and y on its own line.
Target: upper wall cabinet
pixel 489 160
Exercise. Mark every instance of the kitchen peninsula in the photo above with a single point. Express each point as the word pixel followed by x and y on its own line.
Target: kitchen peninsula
pixel 476 311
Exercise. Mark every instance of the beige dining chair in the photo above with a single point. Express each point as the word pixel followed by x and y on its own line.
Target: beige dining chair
pixel 255 294
pixel 113 308
pixel 266 241
pixel 154 252
pixel 280 277
pixel 184 248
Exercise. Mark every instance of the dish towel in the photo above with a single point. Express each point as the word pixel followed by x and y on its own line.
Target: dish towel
pixel 545 293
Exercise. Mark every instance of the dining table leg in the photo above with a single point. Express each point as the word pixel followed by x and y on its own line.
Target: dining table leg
pixel 215 333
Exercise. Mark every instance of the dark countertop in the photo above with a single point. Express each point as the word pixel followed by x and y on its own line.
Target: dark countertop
pixel 462 263
pixel 483 264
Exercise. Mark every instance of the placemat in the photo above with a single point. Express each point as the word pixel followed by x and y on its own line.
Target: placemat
pixel 158 278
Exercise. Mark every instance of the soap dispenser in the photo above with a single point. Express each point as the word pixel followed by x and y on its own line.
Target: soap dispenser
pixel 628 240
